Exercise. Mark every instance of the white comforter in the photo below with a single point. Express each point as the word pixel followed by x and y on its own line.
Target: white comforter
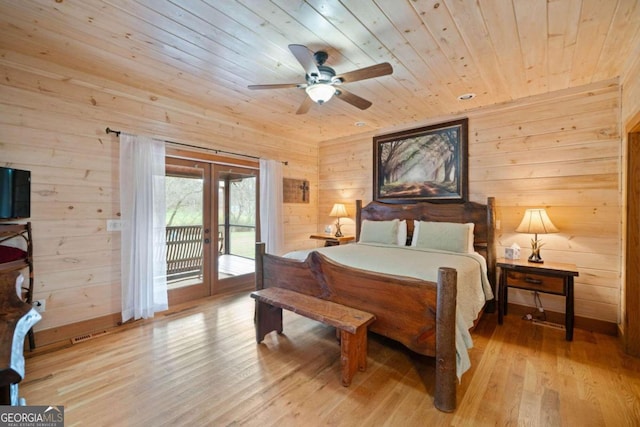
pixel 473 285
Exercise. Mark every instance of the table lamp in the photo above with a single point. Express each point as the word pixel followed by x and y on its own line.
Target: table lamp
pixel 338 211
pixel 536 221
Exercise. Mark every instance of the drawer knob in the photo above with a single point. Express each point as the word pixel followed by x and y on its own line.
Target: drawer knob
pixel 533 281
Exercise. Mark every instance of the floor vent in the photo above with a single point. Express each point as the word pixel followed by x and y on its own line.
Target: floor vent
pixel 87 337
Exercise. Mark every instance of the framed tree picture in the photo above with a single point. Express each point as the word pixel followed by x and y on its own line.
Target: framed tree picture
pixel 423 164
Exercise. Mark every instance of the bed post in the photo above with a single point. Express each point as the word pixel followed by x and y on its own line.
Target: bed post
pixel 358 218
pixel 260 251
pixel 445 388
pixel 491 252
pixel 266 317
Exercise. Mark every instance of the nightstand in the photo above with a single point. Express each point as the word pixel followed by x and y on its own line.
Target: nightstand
pixel 550 277
pixel 331 240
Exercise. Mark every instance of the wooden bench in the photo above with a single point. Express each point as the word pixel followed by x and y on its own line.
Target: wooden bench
pixel 352 323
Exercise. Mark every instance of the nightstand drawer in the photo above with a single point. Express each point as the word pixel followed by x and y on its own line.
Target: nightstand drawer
pixel 536 282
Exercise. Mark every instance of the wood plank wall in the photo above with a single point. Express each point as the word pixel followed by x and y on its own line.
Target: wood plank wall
pixel 561 151
pixel 631 90
pixel 52 122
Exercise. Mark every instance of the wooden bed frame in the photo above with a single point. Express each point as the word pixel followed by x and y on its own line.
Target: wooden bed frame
pixel 416 313
pixel 482 216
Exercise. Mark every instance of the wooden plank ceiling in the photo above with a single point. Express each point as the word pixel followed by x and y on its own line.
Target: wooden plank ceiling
pixel 206 52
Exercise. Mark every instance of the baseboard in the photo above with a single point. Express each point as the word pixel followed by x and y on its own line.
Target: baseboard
pixel 61 336
pixel 588 324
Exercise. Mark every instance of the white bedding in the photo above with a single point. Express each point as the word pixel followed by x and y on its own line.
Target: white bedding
pixel 473 287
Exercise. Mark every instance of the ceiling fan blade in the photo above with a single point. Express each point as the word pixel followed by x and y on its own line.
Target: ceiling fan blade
pixel 277 86
pixel 304 107
pixel 367 73
pixel 352 99
pixel 305 57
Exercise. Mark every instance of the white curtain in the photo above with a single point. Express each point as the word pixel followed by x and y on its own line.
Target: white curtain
pixel 271 223
pixel 143 242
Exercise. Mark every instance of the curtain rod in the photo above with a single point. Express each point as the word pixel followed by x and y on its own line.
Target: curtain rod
pixel 215 150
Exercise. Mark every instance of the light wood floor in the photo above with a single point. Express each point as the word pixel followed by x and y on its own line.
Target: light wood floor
pixel 200 366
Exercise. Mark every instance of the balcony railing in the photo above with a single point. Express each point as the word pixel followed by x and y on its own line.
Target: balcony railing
pixel 184 251
pixel 184 248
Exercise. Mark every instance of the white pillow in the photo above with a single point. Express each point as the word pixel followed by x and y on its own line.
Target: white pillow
pixel 416 231
pixel 379 232
pixel 402 233
pixel 446 236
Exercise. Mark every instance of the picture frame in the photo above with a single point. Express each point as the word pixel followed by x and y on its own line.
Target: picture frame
pixel 423 164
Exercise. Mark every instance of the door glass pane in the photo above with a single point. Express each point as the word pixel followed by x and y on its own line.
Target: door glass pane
pixel 236 223
pixel 184 194
pixel 242 216
pixel 222 208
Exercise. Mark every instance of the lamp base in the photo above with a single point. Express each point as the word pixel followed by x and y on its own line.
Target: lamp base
pixel 535 258
pixel 535 251
pixel 338 231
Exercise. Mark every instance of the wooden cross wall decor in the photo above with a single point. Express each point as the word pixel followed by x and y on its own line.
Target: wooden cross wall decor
pixel 295 190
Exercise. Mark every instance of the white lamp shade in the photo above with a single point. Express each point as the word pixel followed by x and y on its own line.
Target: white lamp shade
pixel 339 211
pixel 536 221
pixel 320 92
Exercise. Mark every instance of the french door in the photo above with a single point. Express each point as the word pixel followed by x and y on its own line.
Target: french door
pixel 236 219
pixel 211 228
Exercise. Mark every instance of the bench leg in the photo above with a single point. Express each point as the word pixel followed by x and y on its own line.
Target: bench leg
pixel 361 337
pixel 267 318
pixel 353 353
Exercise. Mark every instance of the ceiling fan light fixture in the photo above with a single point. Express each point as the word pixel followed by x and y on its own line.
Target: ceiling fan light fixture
pixel 320 92
pixel 321 81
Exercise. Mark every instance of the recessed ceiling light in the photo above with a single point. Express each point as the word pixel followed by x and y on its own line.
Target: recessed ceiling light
pixel 360 124
pixel 467 96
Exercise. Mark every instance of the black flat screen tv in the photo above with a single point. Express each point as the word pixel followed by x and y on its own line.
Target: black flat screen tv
pixel 15 193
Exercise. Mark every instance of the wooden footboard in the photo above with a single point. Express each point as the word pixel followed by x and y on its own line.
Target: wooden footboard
pixel 419 314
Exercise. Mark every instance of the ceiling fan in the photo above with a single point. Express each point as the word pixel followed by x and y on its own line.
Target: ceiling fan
pixel 322 83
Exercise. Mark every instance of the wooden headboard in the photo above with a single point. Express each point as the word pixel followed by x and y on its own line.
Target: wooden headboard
pixel 482 216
